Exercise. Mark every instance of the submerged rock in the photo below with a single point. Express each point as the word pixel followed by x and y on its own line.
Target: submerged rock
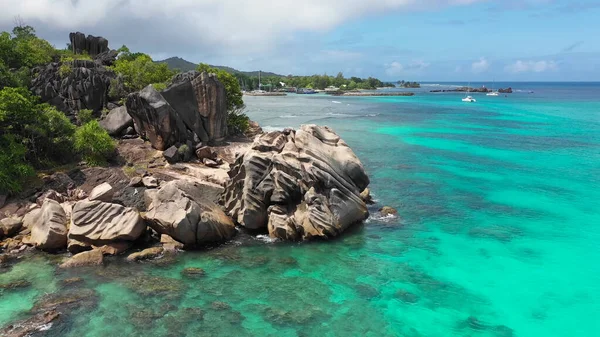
pixel 297 184
pixel 90 258
pixel 29 326
pixel 193 272
pixel 15 284
pixel 146 254
pixel 180 210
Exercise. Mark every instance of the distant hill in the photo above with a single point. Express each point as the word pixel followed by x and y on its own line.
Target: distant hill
pixel 183 65
pixel 179 63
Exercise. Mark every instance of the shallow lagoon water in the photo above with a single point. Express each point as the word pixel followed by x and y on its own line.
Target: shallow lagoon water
pixel 498 233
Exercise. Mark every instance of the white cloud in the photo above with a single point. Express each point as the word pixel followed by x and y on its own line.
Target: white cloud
pixel 531 66
pixel 397 68
pixel 394 69
pixel 480 66
pixel 224 27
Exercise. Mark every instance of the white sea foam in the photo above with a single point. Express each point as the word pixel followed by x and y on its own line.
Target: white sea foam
pixel 266 238
pixel 382 218
pixel 288 116
pixel 336 102
pixel 45 327
pixel 338 114
pixel 270 128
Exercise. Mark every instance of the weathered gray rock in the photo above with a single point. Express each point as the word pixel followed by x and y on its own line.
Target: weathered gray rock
pixel 50 194
pixel 49 226
pixel 192 109
pixel 298 184
pixel 84 259
pixel 117 121
pixel 206 152
pixel 98 223
pixel 199 99
pixel 180 210
pixel 85 86
pixel 103 192
pixel 172 155
pixel 91 45
pixel 150 182
pixel 10 226
pixel 155 119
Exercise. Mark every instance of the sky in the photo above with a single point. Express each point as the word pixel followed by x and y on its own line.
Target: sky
pixel 416 40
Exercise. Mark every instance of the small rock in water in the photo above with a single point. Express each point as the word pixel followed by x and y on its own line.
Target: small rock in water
pixel 193 272
pixel 15 284
pixel 386 210
pixel 31 325
pixel 407 297
pixel 89 258
pixel 220 305
pixel 146 254
pixel 72 280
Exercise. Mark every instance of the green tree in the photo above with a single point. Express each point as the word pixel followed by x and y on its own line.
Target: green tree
pixel 93 143
pixel 141 71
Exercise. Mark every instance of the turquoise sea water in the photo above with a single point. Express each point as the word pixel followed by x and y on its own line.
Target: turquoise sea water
pixel 498 233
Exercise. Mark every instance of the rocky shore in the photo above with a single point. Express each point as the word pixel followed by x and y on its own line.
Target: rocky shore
pixel 469 89
pixel 370 94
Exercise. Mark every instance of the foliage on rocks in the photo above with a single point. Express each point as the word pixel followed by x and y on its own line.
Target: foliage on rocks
pixel 93 143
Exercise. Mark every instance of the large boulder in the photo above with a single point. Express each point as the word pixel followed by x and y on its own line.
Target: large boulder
pixel 155 119
pixel 48 226
pixel 297 184
pixel 191 110
pixel 180 209
pixel 98 223
pixel 199 99
pixel 117 121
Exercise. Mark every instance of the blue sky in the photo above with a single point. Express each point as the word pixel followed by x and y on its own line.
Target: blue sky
pixel 422 40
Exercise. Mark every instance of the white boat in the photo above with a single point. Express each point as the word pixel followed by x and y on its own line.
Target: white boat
pixel 493 93
pixel 469 98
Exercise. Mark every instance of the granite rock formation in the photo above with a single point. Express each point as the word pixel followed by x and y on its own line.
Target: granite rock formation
pixel 91 45
pixel 98 223
pixel 85 86
pixel 48 226
pixel 180 209
pixel 297 184
pixel 191 110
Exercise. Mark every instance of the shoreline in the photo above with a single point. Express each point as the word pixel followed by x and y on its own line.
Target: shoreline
pixel 372 94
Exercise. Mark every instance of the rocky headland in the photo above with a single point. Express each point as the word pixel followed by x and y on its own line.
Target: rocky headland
pixel 181 179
